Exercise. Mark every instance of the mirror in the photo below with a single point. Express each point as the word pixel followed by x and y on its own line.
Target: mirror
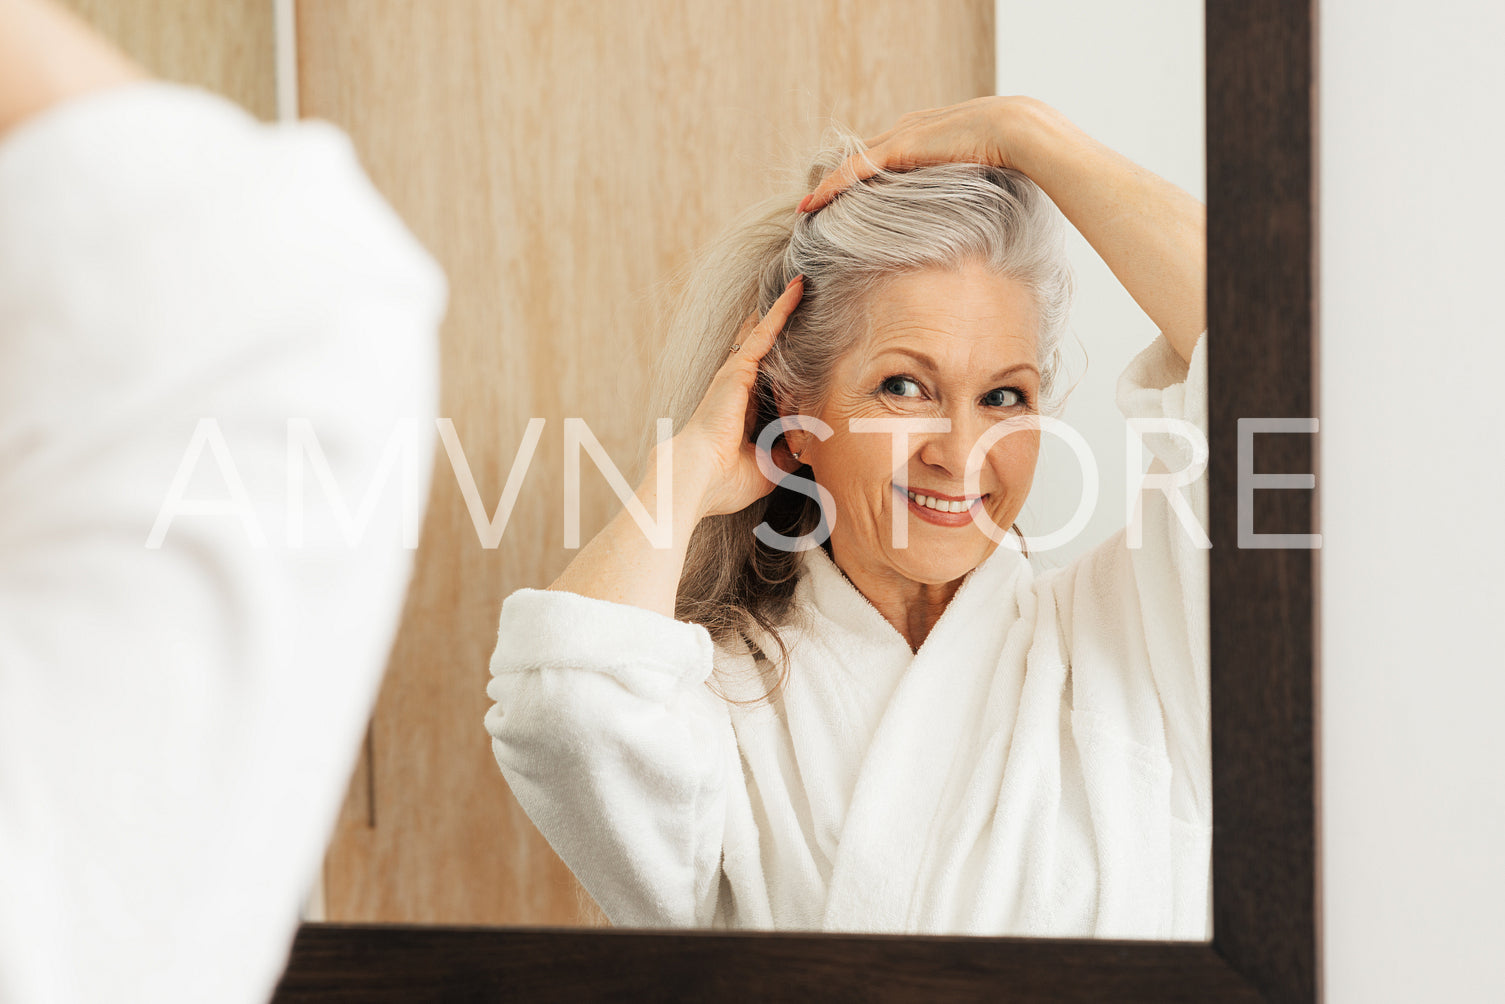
pixel 646 132
pixel 1260 121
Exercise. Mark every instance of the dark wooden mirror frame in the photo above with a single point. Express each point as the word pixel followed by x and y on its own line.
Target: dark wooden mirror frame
pixel 1261 312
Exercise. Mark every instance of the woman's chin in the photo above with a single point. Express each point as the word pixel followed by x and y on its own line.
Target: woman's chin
pixel 937 559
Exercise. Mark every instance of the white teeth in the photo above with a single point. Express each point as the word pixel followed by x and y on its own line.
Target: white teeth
pixel 941 505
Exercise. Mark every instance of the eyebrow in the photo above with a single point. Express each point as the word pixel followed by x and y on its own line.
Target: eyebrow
pixel 929 363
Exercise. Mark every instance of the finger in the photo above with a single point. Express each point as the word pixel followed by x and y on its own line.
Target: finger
pixel 742 337
pixel 745 331
pixel 756 335
pixel 783 308
pixel 858 167
pixel 765 331
pixel 754 339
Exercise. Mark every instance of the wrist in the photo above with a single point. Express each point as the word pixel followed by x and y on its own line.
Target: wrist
pixel 1035 136
pixel 689 482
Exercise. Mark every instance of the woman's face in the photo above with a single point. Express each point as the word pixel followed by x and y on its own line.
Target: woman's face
pixel 941 343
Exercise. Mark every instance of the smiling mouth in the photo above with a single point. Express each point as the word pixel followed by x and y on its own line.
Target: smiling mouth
pixel 943 504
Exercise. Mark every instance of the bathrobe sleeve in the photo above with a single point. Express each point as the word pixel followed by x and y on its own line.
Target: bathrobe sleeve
pixel 1135 608
pixel 617 752
pixel 179 718
pixel 1132 619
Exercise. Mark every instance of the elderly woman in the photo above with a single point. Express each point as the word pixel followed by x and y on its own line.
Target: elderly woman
pixel 842 699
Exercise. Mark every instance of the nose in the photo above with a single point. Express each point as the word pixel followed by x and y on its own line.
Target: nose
pixel 945 453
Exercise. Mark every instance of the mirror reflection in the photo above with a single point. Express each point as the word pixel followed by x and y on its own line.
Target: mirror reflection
pixel 778 572
pixel 827 690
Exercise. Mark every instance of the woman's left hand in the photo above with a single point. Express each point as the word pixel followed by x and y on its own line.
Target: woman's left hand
pixel 973 132
pixel 1152 234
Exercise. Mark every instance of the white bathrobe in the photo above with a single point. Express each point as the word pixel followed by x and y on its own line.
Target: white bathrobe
pixel 178 723
pixel 1040 767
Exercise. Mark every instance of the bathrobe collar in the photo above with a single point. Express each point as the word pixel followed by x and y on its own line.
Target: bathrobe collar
pixel 876 873
pixel 826 587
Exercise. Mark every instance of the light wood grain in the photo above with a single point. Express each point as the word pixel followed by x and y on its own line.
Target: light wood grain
pixel 561 159
pixel 226 46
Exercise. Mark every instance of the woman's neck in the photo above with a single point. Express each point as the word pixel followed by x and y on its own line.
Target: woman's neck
pixel 912 608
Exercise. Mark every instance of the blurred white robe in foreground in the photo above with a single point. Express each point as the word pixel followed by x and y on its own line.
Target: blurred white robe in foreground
pixel 178 724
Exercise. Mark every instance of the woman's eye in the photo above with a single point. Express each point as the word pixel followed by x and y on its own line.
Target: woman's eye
pixel 1004 397
pixel 896 386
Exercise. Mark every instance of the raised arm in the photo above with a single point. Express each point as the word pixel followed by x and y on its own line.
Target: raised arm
pixel 1152 234
pixel 715 471
pixel 600 724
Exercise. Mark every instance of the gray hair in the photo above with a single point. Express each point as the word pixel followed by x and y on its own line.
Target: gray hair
pixel 933 217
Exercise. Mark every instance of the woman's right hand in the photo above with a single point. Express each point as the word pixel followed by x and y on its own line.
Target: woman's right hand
pixel 716 445
pixel 987 130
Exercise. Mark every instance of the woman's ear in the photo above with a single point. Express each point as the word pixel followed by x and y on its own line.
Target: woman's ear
pixel 795 440
pixel 792 440
pixel 788 452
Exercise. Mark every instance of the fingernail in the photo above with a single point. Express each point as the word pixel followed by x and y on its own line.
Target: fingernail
pixel 805 202
pixel 798 278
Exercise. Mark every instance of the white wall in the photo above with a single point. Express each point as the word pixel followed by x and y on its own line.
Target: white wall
pixel 1131 75
pixel 1410 488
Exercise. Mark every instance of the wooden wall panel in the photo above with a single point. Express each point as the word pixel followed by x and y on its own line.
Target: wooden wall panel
pixel 227 46
pixel 561 159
